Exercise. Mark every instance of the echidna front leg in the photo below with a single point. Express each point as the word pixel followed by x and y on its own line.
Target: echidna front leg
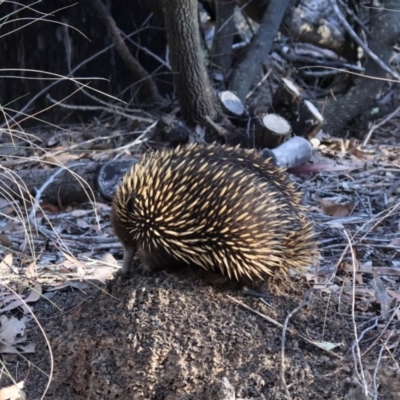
pixel 129 253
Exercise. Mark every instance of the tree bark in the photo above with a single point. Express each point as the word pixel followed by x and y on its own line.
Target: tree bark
pixel 385 31
pixel 192 84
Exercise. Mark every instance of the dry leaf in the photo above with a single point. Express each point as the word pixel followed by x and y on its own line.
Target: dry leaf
pixel 100 274
pixel 80 267
pixel 34 294
pixel 15 301
pixel 18 348
pixel 82 223
pixel 330 207
pixel 6 265
pixel 5 241
pixel 329 346
pixel 366 267
pixel 82 285
pixel 361 154
pixel 109 259
pixel 348 267
pixel 49 208
pixel 81 213
pixel 62 158
pixel 381 294
pixel 394 294
pixel 395 242
pixel 334 224
pixel 12 332
pixel 13 392
pixel 31 272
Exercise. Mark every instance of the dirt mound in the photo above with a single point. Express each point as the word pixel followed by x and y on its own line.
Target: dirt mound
pixel 173 336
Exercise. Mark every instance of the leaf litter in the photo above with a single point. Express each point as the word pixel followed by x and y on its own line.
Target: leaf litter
pixel 355 192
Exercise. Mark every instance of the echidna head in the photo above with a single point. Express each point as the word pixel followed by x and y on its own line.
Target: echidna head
pixel 120 223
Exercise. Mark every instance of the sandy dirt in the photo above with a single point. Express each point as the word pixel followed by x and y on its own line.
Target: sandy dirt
pixel 174 336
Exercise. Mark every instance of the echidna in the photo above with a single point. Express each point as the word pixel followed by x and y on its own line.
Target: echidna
pixel 222 208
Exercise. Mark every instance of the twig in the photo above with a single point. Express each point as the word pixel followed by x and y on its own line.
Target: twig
pixel 146 50
pixel 262 80
pixel 151 91
pixel 378 125
pixel 363 45
pixel 284 329
pixel 139 140
pixel 56 82
pixel 221 131
pixel 356 339
pixel 109 109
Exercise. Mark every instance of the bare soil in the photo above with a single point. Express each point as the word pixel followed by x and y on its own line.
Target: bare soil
pixel 175 336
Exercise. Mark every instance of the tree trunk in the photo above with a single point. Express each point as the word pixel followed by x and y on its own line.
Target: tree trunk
pixel 192 84
pixel 385 31
pixel 259 48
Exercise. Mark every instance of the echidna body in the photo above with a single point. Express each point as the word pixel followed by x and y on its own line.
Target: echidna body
pixel 217 207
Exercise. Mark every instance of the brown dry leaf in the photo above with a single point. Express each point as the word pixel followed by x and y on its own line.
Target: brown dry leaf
pixel 330 207
pixel 359 279
pixel 5 241
pixel 13 392
pixel 6 265
pixel 348 267
pixel 48 207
